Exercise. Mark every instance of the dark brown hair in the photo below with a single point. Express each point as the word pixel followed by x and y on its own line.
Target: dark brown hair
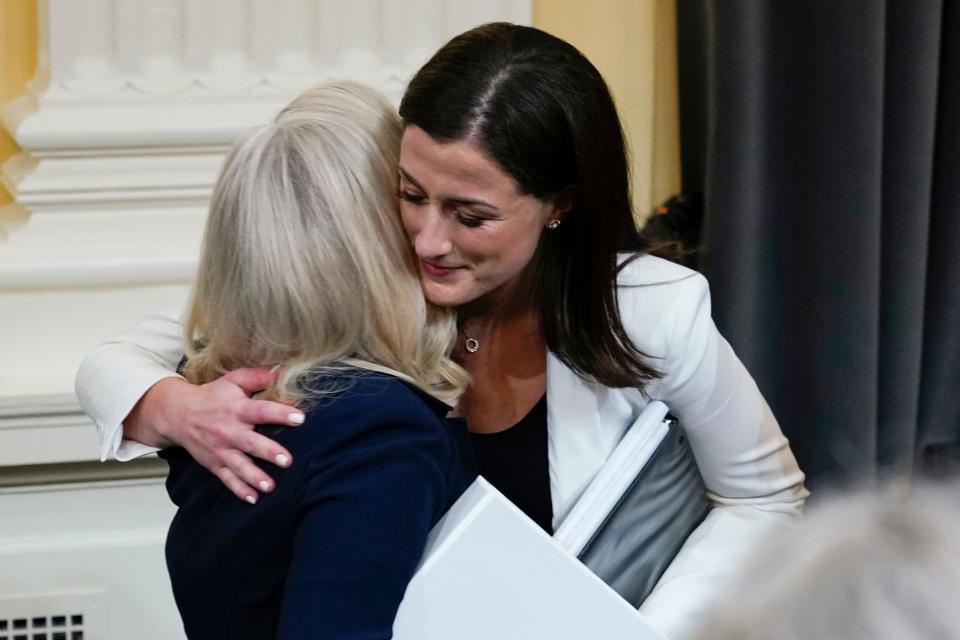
pixel 542 111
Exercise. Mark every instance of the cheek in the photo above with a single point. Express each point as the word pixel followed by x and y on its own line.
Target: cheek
pixel 479 247
pixel 409 222
pixel 506 253
pixel 521 252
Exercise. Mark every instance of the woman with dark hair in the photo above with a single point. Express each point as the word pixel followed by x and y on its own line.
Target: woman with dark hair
pixel 514 192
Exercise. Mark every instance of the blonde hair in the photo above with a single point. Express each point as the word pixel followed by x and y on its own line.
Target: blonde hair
pixel 304 262
pixel 872 565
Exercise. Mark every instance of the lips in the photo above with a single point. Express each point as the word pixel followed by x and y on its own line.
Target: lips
pixel 436 270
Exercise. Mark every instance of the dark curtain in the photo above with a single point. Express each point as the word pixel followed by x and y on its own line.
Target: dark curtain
pixel 825 138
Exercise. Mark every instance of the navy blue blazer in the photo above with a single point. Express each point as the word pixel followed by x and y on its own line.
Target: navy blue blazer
pixel 328 554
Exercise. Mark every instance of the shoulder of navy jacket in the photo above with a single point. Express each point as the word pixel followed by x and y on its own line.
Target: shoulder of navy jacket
pixel 438 406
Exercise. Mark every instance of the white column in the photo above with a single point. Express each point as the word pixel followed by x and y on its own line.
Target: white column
pixel 123 131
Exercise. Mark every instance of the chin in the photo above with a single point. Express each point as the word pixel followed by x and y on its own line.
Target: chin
pixel 442 295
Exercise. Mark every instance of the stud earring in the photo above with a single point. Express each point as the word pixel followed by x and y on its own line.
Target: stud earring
pixel 553 225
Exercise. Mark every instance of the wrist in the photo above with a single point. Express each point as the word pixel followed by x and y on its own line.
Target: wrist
pixel 150 422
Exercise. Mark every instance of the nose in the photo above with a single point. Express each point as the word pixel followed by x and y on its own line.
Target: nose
pixel 433 238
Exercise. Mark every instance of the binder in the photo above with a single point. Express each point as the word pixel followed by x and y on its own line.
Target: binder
pixel 640 508
pixel 491 572
pixel 607 488
pixel 488 571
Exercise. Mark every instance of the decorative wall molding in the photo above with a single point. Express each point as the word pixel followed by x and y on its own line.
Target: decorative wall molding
pixel 123 131
pixel 121 74
pixel 135 103
pixel 94 550
pixel 44 429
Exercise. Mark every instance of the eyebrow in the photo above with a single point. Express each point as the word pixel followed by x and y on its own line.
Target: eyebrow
pixel 468 201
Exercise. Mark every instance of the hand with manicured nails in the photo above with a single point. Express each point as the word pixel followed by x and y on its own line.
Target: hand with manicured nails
pixel 215 423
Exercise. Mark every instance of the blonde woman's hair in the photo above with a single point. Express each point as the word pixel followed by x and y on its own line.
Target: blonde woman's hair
pixel 304 262
pixel 876 565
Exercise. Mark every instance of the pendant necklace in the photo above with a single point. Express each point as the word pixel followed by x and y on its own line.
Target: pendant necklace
pixel 470 344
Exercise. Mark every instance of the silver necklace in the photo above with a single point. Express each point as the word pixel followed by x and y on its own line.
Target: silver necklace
pixel 470 344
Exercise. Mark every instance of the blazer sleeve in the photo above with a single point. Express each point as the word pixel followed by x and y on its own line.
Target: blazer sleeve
pixel 365 513
pixel 112 378
pixel 751 475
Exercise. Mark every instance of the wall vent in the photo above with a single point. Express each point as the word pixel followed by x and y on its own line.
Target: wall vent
pixel 52 616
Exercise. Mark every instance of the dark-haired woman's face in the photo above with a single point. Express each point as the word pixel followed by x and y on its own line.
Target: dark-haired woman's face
pixel 474 233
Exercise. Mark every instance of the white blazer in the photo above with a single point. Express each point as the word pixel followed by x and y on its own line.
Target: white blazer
pixel 752 478
pixel 751 475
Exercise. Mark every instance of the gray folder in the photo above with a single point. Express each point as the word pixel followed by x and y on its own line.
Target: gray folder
pixel 642 534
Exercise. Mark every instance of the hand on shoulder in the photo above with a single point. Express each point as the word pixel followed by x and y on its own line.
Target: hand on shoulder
pixel 215 423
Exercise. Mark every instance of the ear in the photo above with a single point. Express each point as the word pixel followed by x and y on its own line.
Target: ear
pixel 564 202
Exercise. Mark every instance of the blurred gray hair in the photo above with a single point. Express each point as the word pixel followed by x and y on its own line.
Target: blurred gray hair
pixel 881 565
pixel 304 262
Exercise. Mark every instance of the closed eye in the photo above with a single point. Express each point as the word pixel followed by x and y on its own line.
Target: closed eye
pixel 470 221
pixel 409 196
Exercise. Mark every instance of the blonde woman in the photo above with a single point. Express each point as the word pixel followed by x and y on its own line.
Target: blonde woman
pixel 305 268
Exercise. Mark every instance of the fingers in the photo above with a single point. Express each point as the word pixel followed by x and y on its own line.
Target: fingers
pixel 217 428
pixel 244 409
pixel 238 472
pixel 268 412
pixel 251 380
pixel 240 465
pixel 260 446
pixel 234 466
pixel 236 486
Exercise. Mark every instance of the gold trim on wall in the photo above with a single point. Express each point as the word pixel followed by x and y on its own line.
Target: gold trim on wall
pixel 633 44
pixel 18 62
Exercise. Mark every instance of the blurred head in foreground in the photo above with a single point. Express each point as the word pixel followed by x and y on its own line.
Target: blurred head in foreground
pixel 304 263
pixel 877 566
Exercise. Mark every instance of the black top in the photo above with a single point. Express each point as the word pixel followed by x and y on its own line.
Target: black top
pixel 328 554
pixel 515 462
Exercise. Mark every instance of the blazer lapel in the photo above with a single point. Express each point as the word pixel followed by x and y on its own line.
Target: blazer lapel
pixel 576 447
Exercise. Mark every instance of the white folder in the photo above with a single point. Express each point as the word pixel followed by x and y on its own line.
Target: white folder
pixel 607 488
pixel 490 573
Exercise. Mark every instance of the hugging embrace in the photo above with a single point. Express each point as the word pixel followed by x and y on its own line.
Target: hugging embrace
pixel 456 290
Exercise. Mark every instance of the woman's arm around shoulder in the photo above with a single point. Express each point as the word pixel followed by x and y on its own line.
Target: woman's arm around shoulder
pixel 129 386
pixel 751 475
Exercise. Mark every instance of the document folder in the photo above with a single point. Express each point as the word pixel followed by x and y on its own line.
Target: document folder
pixel 640 508
pixel 489 572
pixel 620 470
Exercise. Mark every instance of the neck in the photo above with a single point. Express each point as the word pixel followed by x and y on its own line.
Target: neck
pixel 510 301
pixel 505 329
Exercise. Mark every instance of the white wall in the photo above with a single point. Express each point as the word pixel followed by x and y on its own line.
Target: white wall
pixel 123 130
